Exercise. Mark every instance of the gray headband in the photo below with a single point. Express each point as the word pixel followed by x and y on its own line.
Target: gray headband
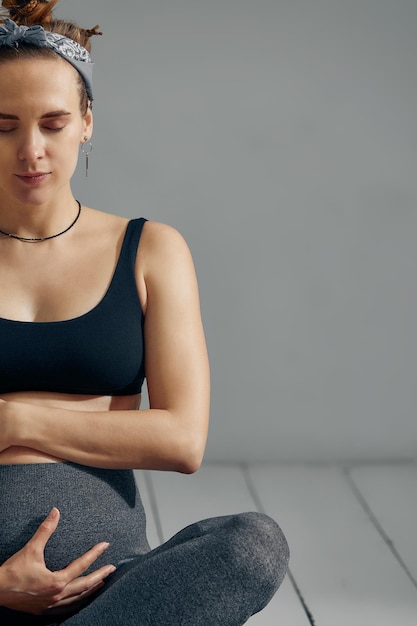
pixel 11 35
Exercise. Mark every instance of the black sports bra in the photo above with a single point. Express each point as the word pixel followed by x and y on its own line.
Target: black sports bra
pixel 98 353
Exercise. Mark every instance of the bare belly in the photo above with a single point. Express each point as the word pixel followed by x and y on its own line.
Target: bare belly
pixel 21 455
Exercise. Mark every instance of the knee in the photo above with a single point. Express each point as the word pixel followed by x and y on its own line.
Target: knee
pixel 259 550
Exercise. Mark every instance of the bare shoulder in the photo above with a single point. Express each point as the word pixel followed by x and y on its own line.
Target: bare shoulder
pixel 157 234
pixel 162 247
pixel 164 268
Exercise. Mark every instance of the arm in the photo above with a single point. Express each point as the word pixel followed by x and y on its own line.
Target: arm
pixel 172 433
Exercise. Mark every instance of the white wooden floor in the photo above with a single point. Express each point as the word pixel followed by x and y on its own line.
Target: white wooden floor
pixel 352 533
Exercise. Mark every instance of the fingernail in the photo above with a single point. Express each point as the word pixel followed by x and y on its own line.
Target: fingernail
pixel 104 546
pixel 112 569
pixel 53 513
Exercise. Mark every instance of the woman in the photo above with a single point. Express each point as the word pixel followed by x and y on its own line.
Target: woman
pixel 89 302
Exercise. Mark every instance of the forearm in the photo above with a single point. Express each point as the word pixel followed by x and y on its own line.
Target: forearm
pixel 148 439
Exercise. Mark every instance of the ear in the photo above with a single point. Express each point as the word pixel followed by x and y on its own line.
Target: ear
pixel 87 129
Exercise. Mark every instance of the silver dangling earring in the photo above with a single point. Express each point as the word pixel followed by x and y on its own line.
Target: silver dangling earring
pixel 86 148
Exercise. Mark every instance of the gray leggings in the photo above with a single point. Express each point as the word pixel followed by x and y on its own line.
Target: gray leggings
pixel 219 571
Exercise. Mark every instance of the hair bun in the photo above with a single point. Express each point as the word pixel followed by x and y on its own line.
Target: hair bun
pixel 28 12
pixel 28 7
pixel 39 12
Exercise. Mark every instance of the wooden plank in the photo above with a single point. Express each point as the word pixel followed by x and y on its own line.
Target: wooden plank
pixel 217 490
pixel 343 567
pixel 390 493
pixel 151 523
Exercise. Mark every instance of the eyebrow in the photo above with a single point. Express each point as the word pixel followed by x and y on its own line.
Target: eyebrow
pixel 8 116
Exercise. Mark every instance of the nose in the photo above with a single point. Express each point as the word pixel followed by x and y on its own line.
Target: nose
pixel 32 146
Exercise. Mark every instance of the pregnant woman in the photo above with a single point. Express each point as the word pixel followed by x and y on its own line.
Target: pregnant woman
pixel 90 304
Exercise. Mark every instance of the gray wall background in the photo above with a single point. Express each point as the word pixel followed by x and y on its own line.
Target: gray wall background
pixel 280 138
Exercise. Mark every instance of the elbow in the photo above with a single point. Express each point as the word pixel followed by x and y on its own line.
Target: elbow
pixel 191 456
pixel 189 466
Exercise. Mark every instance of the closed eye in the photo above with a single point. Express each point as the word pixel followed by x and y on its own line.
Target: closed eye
pixel 54 129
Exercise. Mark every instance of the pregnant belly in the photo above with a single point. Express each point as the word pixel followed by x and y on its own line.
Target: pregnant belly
pixel 95 505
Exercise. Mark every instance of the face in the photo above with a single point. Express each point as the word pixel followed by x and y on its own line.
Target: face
pixel 41 128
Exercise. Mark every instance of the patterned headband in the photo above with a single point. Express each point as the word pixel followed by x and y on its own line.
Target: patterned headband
pixel 11 35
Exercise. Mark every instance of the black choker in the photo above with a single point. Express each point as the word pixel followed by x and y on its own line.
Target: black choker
pixel 35 239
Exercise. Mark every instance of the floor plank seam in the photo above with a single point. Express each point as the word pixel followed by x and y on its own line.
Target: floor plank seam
pixel 154 506
pixel 261 509
pixel 301 599
pixel 378 526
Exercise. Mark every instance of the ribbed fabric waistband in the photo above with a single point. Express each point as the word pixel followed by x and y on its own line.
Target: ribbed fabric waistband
pixel 95 505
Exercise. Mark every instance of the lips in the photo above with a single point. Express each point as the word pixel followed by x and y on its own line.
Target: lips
pixel 33 178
